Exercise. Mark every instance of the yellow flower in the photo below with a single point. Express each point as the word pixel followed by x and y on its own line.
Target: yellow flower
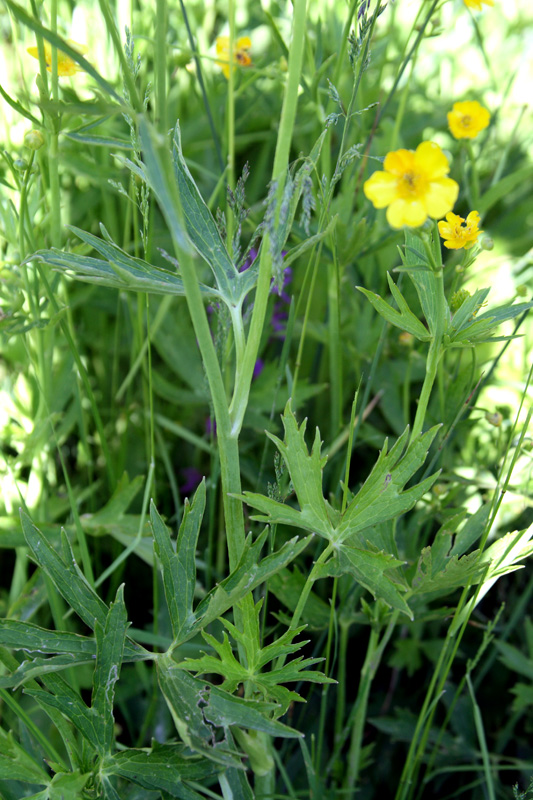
pixel 240 53
pixel 65 65
pixel 476 4
pixel 456 234
pixel 467 119
pixel 414 186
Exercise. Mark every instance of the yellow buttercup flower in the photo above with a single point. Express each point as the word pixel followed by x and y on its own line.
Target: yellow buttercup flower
pixel 413 186
pixel 241 55
pixel 65 65
pixel 467 119
pixel 476 4
pixel 458 232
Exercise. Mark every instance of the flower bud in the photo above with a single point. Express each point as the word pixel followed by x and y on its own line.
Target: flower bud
pixel 486 243
pixel 34 139
pixel 457 299
pixel 522 290
pixel 406 339
pixel 20 164
pixel 495 419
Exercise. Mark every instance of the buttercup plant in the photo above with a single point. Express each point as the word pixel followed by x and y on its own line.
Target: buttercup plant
pixel 212 597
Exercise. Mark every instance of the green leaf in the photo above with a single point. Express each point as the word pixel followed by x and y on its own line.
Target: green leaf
pixel 20 110
pixel 381 496
pixel 65 574
pixel 68 785
pixel 109 654
pixel 71 583
pixel 306 475
pixel 404 318
pixel 19 635
pixel 266 683
pixel 424 282
pixel 471 531
pixel 504 187
pixel 502 557
pixel 249 573
pixel 369 567
pixel 16 764
pixel 118 271
pixel 36 667
pixel 197 706
pixel 179 568
pixel 162 767
pixel 202 229
pixel 115 508
pixel 66 700
pixel 185 699
pixel 99 141
pixel 442 573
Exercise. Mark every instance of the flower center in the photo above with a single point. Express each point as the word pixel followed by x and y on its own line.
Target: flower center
pixel 411 185
pixel 466 121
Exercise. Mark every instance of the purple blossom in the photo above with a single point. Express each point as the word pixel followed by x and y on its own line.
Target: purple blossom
pixel 192 478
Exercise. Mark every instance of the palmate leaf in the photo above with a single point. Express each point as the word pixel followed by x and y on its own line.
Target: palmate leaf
pixel 265 683
pixel 381 498
pixel 199 709
pixel 372 569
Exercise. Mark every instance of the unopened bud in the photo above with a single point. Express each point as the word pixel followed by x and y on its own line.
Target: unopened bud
pixel 495 419
pixel 486 243
pixel 457 299
pixel 406 339
pixel 522 290
pixel 20 164
pixel 34 139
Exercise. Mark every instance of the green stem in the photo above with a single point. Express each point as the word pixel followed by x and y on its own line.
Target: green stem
pixel 434 354
pixel 161 66
pixel 230 122
pixel 324 698
pixel 341 683
pixel 374 654
pixel 474 178
pixel 119 49
pixel 281 162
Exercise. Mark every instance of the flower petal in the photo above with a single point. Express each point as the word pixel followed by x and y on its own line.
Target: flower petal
pixel 430 158
pixel 399 162
pixel 406 212
pixel 440 197
pixel 381 189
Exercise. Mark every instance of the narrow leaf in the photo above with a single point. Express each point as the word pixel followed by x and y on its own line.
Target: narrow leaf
pixel 109 654
pixel 179 568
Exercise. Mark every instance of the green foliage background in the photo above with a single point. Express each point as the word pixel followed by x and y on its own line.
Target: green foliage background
pixel 145 650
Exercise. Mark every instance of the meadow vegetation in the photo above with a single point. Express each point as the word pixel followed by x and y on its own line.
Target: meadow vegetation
pixel 265 400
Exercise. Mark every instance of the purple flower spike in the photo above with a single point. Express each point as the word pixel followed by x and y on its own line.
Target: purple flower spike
pixel 258 369
pixel 192 479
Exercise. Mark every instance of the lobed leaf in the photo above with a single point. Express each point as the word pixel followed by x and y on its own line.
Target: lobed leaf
pixel 179 568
